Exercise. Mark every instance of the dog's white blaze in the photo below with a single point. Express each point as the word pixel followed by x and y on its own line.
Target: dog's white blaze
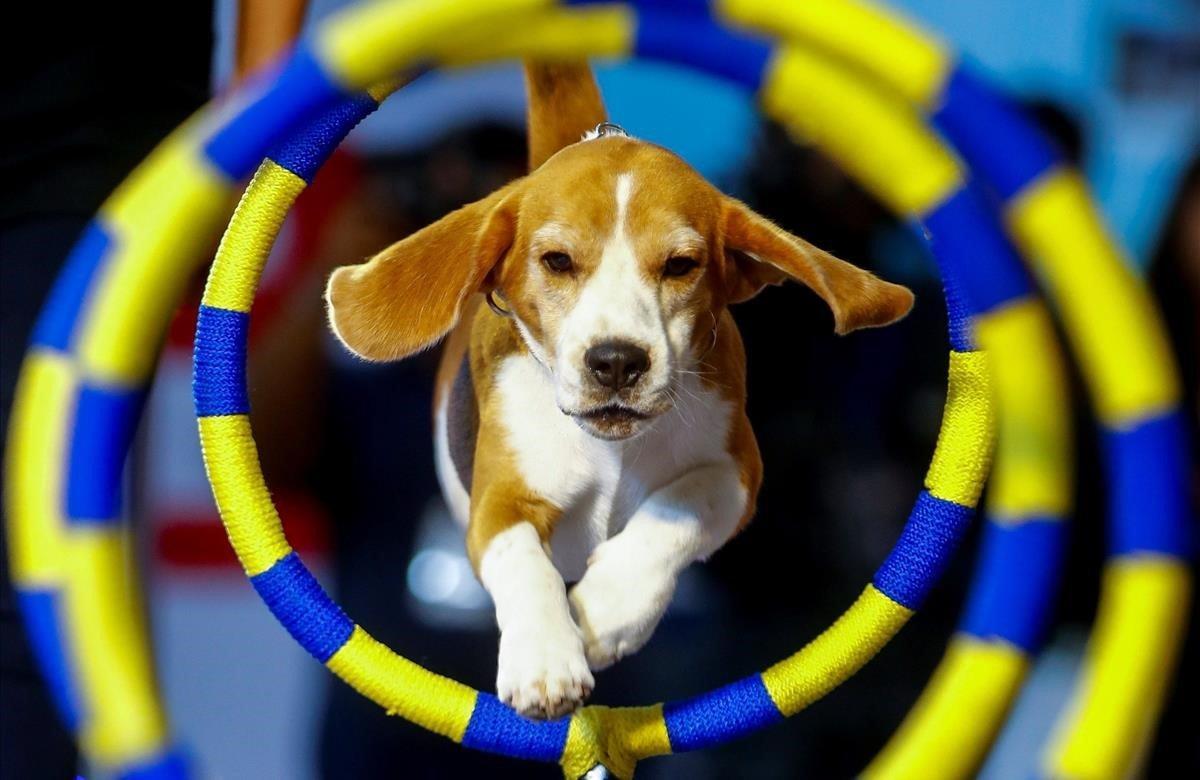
pixel 601 484
pixel 617 303
pixel 623 191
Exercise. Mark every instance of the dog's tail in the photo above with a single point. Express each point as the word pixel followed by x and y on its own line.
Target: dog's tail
pixel 564 103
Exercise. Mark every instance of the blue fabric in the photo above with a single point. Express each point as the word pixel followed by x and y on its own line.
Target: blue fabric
pixel 219 379
pixel 992 133
pixel 105 422
pixel 303 607
pixel 167 766
pixel 1013 595
pixel 305 153
pixel 958 320
pixel 1148 477
pixel 56 322
pixel 720 715
pixel 692 7
pixel 291 96
pixel 40 610
pixel 958 313
pixel 930 536
pixel 970 246
pixel 698 43
pixel 497 728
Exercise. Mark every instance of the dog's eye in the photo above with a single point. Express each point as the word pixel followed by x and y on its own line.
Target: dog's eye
pixel 559 262
pixel 679 265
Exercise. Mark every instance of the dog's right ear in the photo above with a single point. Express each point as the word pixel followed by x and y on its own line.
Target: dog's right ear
pixel 564 103
pixel 408 296
pixel 761 253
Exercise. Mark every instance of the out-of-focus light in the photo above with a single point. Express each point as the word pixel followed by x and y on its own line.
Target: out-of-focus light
pixel 434 576
pixel 441 578
pixel 442 589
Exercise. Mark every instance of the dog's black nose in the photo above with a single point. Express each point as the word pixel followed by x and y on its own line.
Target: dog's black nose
pixel 617 364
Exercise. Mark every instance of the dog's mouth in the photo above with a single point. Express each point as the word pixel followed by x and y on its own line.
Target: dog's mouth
pixel 613 413
pixel 611 421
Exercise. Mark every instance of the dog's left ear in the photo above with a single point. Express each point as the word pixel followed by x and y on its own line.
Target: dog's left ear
pixel 759 253
pixel 411 294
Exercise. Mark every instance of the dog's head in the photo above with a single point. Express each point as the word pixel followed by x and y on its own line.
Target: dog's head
pixel 615 259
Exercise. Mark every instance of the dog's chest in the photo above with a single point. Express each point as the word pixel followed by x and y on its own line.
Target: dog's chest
pixel 600 484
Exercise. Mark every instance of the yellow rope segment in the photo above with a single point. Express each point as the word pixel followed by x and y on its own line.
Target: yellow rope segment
pixel 962 458
pixel 840 651
pixel 41 419
pixel 404 688
pixel 1124 354
pixel 970 693
pixel 1033 475
pixel 1141 597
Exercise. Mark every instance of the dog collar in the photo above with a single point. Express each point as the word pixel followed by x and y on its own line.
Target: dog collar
pixel 606 129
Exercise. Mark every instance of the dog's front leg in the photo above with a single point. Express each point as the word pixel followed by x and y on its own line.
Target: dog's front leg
pixel 631 577
pixel 542 670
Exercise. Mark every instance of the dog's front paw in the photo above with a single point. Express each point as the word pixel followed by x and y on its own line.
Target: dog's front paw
pixel 618 607
pixel 543 673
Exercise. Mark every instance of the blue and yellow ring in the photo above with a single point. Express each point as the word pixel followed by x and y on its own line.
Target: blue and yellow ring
pixel 477 720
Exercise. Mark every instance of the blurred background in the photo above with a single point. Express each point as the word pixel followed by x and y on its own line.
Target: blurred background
pixel 845 437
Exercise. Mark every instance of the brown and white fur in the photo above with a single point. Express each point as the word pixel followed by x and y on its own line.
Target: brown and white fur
pixel 590 427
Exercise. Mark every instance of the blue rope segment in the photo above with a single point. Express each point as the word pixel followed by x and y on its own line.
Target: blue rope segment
pixel 688 7
pixel 304 154
pixel 497 728
pixel 219 379
pixel 105 421
pixel 40 610
pixel 1018 573
pixel 933 531
pixel 958 314
pixel 992 133
pixel 698 43
pixel 56 322
pixel 970 246
pixel 286 98
pixel 168 766
pixel 721 715
pixel 1148 473
pixel 303 607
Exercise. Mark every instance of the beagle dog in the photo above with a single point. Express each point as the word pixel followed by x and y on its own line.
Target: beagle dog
pixel 590 407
